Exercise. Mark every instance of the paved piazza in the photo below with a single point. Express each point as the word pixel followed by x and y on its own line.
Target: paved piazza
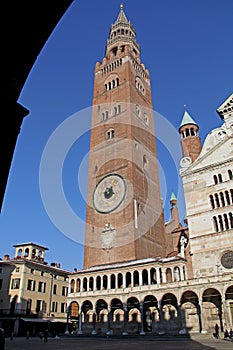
pixel 197 342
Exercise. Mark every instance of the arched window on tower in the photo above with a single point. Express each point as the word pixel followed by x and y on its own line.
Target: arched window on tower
pixel 192 132
pixel 138 110
pixel 117 110
pixel 104 115
pixel 26 253
pixel 230 174
pixel 110 134
pixel 145 117
pixel 145 162
pixel 19 254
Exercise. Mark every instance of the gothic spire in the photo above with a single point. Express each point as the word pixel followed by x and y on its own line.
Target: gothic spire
pixel 121 17
pixel 122 34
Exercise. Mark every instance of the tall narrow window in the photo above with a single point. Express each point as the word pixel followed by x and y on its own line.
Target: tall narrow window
pixel 220 222
pixel 72 284
pixel 217 200
pixel 78 285
pixel 145 118
pixel 222 199
pixel 231 219
pixel 215 224
pixel 54 289
pixel 226 223
pixel 220 177
pixel 15 283
pixel 138 110
pixel 212 202
pixel 227 197
pixel 192 132
pixel 105 115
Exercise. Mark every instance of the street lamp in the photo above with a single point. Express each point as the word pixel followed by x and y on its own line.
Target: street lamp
pixel 67 319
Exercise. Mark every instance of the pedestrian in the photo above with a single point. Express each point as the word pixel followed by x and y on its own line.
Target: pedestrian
pixel 27 335
pixel 216 328
pixel 226 334
pixel 231 334
pixel 46 334
pixel 2 339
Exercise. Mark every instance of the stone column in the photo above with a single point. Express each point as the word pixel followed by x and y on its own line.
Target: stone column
pixel 109 318
pixel 94 323
pixel 109 282
pixel 181 273
pixel 161 328
pixel 125 319
pixel 142 319
pixel 140 278
pixel 226 312
pixel 149 278
pixel 94 283
pixel 67 320
pixel 80 323
pixel 201 319
pixel 164 279
pixel 180 315
pixel 124 280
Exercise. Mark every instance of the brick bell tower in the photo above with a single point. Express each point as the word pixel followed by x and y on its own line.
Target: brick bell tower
pixel 124 214
pixel 190 141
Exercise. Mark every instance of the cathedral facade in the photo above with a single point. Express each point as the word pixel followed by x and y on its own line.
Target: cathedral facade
pixel 142 275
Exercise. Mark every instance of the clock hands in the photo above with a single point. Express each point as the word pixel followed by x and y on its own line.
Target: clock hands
pixel 108 192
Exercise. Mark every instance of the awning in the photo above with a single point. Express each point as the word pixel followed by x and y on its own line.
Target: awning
pixel 34 320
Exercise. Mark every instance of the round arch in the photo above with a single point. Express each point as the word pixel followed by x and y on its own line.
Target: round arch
pixel 190 312
pixel 151 313
pixel 211 309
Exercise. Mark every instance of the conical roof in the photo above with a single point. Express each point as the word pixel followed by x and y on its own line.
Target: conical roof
pixel 173 197
pixel 187 119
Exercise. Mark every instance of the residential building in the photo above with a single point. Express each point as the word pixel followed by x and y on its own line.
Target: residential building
pixel 32 293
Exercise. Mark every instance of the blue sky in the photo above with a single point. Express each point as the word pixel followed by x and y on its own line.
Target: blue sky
pixel 187 47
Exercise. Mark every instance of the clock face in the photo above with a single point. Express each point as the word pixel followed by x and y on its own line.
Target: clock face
pixel 109 193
